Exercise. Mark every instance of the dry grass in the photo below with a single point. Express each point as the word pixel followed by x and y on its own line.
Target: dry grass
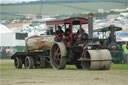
pixel 118 75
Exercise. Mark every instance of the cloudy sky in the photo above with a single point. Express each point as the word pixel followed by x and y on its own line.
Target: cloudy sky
pixel 14 1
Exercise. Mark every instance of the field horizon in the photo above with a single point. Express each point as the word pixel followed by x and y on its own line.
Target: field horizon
pixel 58 8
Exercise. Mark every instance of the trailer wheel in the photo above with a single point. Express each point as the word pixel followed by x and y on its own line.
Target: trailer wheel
pixel 44 62
pixel 18 62
pixel 58 56
pixel 41 63
pixel 29 62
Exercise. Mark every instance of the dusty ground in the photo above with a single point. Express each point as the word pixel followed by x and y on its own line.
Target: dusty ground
pixel 118 75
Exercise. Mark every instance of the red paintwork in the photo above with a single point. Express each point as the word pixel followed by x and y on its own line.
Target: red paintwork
pixel 67 21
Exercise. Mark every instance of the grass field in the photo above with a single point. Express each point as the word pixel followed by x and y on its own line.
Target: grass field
pixel 59 8
pixel 118 75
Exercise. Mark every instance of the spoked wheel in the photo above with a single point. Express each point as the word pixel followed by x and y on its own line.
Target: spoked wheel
pixel 57 56
pixel 96 60
pixel 29 62
pixel 58 61
pixel 18 62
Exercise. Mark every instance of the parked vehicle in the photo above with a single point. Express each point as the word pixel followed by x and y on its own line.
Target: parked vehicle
pixel 108 40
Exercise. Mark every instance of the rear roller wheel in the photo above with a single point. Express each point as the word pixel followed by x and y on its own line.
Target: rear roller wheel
pixel 96 60
pixel 58 59
pixel 29 62
pixel 18 62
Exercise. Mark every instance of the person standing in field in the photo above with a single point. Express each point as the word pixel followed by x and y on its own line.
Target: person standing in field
pixel 7 51
pixel 4 52
pixel 11 50
pixel 125 50
pixel 0 52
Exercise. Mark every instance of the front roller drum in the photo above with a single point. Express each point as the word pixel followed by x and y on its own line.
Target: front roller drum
pixel 96 60
pixel 58 56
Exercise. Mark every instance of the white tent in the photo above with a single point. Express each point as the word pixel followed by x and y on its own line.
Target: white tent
pixel 4 29
pixel 6 36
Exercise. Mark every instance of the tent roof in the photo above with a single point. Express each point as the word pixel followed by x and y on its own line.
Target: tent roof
pixel 68 21
pixel 4 29
pixel 108 29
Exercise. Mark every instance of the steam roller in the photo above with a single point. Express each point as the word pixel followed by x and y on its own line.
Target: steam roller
pixel 96 60
pixel 77 48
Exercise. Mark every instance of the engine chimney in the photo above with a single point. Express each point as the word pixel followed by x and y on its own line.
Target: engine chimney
pixel 90 26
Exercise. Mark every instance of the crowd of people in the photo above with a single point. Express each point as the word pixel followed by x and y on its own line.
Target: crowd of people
pixel 7 51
